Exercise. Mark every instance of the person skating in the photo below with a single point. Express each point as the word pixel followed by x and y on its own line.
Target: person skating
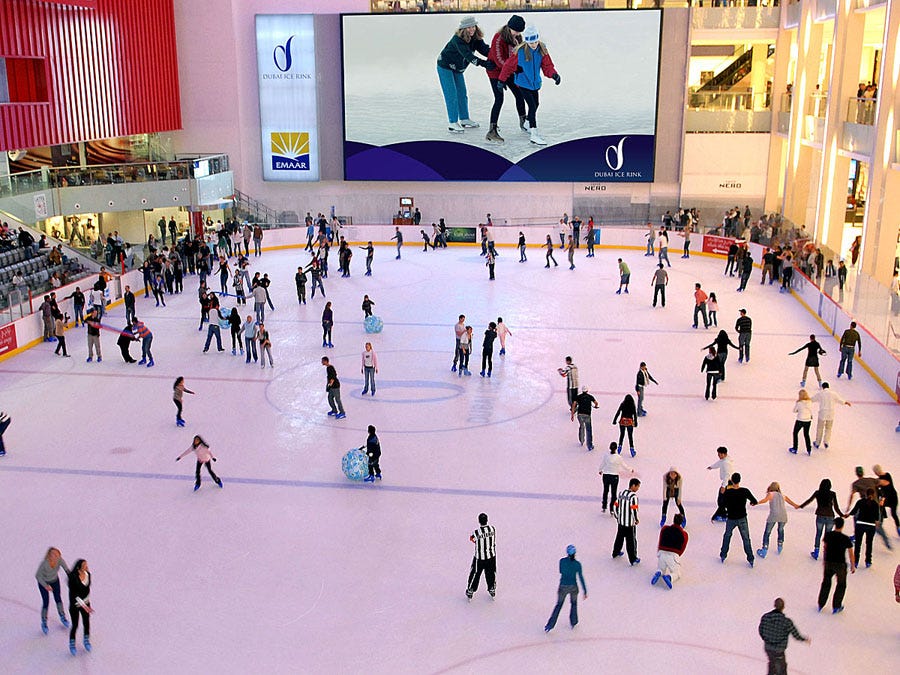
pixel 626 509
pixel 721 343
pixel 813 352
pixel 888 495
pixel 249 329
pixel 465 351
pixel 641 380
pixel 502 333
pixel 265 346
pixel 775 629
pixel 531 58
pixel 485 558
pixel 777 516
pixel 398 235
pixel 803 409
pixel 93 336
pixel 521 246
pixel 59 331
pixel 204 457
pixel 860 487
pixel 5 421
pixel 490 262
pixel 369 368
pixel 47 576
pixel 713 367
pixel 333 389
pixel 613 465
pixel 700 299
pixel 827 400
pixel 128 297
pixel 427 241
pixel 80 603
pixel 735 500
pixel 659 282
pixel 673 482
pixel 458 330
pixel 569 575
pixel 867 518
pixel 850 342
pixel 487 348
pixel 214 329
pixel 367 305
pixel 370 256
pixel 503 46
pixel 570 252
pixel 139 330
pixel 726 467
pixel 549 247
pixel 582 406
pixel 624 276
pixel 837 545
pixel 672 542
pixel 178 392
pixel 744 328
pixel 327 324
pixel 300 281
pixel 626 417
pixel 455 57
pixel 826 507
pixel 372 448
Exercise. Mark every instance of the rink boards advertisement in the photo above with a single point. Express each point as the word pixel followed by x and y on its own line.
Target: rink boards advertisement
pixel 599 123
pixel 286 65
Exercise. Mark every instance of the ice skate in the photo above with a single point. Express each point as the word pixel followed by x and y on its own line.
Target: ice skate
pixel 668 579
pixel 72 647
pixel 454 128
pixel 656 577
pixel 761 552
pixel 523 125
pixel 493 136
pixel 536 138
pixel 469 124
pixel 87 643
pixel 44 626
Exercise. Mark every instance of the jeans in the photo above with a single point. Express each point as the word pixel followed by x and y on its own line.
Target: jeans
pixel 584 428
pixel 145 348
pixel 45 599
pixel 712 379
pixel 487 361
pixel 639 389
pixel 368 266
pixel 522 256
pixel 260 309
pixel 456 98
pixel 833 569
pixel 610 486
pixel 213 330
pixel 867 531
pixel 744 346
pixel 664 253
pixel 846 361
pixel 79 313
pixel 94 343
pixel 572 592
pixel 825 523
pixel 741 525
pixel 630 430
pixel 768 531
pixel 257 247
pixel 701 309
pixel 777 662
pixel 334 400
pixel 317 281
pixel 369 373
pixel 650 241
pixel 250 344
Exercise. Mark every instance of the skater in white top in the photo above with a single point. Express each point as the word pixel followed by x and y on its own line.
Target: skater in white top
pixel 803 408
pixel 369 368
pixel 502 332
pixel 827 399
pixel 612 466
pixel 204 456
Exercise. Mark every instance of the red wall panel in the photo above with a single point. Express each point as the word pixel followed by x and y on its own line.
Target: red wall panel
pixel 111 70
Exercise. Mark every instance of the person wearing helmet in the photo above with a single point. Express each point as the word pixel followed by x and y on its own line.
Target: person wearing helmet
pixel 455 57
pixel 531 59
pixel 569 574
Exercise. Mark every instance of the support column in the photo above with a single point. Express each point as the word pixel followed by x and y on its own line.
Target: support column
pixel 881 218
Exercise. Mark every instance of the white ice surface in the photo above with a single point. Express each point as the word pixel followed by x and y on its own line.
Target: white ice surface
pixel 291 568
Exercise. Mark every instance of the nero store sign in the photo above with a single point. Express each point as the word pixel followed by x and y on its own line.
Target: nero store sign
pixel 286 63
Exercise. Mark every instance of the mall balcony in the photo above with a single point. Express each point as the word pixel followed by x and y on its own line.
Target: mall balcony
pixel 858 135
pixel 728 112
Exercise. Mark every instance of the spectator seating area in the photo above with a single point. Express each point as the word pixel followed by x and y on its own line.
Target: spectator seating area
pixel 36 271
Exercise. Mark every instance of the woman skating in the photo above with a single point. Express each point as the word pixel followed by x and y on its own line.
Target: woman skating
pixel 813 352
pixel 204 457
pixel 826 508
pixel 327 324
pixel 503 45
pixel 525 68
pixel 369 368
pixel 549 247
pixel 465 349
pixel 502 333
pixel 672 484
pixel 713 367
pixel 803 408
pixel 455 57
pixel 721 343
pixel 234 322
pixel 47 576
pixel 712 307
pixel 777 516
pixel 265 346
pixel 80 603
pixel 178 392
pixel 487 349
pixel 626 415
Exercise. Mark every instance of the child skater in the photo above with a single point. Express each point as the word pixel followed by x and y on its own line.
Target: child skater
pixel 712 306
pixel 373 451
pixel 531 58
pixel 47 576
pixel 178 392
pixel 502 332
pixel 777 516
pixel 367 305
pixel 238 284
pixel 204 455
pixel 80 603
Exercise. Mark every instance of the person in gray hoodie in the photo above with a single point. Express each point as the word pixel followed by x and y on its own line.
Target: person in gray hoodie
pixel 47 576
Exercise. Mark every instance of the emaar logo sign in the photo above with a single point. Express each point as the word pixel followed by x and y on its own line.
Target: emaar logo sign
pixel 282 55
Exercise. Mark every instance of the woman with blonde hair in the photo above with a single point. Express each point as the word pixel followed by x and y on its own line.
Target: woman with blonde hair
pixel 47 576
pixel 777 516
pixel 455 57
pixel 803 408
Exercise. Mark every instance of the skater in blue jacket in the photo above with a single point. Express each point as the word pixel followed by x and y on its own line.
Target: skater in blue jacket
pixel 569 575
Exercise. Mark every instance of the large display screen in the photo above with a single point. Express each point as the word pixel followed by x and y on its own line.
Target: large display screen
pixel 597 124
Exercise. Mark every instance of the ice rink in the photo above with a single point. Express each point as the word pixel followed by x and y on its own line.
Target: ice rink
pixel 293 568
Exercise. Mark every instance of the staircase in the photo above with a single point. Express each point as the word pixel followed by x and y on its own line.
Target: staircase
pixel 253 211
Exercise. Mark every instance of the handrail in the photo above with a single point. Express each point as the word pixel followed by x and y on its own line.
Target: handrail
pixel 728 100
pixel 861 110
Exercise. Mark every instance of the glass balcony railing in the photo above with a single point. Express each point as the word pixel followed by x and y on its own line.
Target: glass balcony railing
pixel 786 100
pixel 109 174
pixel 817 105
pixel 861 110
pixel 728 100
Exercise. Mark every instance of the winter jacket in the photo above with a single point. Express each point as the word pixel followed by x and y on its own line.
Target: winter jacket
pixel 499 53
pixel 532 62
pixel 458 54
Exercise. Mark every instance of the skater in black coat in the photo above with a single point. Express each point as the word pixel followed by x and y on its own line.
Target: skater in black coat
pixel 126 337
pixel 626 417
pixel 373 452
pixel 721 343
pixel 80 603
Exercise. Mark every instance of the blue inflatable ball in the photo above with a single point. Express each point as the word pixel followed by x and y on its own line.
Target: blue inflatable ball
pixel 355 464
pixel 373 324
pixel 223 323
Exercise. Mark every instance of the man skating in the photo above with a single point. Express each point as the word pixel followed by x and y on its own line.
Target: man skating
pixel 333 389
pixel 582 406
pixel 626 512
pixel 837 546
pixel 775 629
pixel 827 400
pixel 736 498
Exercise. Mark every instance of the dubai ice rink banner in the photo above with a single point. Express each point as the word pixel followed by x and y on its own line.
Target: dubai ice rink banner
pixel 598 123
pixel 286 63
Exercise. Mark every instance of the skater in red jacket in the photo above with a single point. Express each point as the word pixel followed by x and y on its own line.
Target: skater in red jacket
pixel 672 541
pixel 503 46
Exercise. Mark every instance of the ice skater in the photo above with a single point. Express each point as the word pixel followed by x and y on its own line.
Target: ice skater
pixel 427 241
pixel 626 416
pixel 613 465
pixel 813 352
pixel 549 247
pixel 803 409
pixel 582 406
pixel 524 67
pixel 837 546
pixel 522 256
pixel 333 389
pixel 459 328
pixel 490 262
pixel 5 421
pixel 139 330
pixel 777 516
pixel 735 499
pixel 178 392
pixel 265 346
pixel 672 485
pixel 204 457
pixel 672 543
pixel 370 256
pixel 744 328
pixel 455 57
pixel 713 367
pixel 570 372
pixel 367 305
pixel 502 333
pixel 712 308
pixel 700 299
pixel 327 324
pixel 569 575
pixel 372 449
pixel 725 465
pixel 465 351
pixel 721 343
pixel 398 235
pixel 80 603
pixel 624 276
pixel 249 329
pixel 626 509
pixel 485 558
pixel 570 252
pixel 826 507
pixel 642 379
pixel 59 331
pixel 775 629
pixel 369 368
pixel 47 576
pixel 827 400
pixel 487 349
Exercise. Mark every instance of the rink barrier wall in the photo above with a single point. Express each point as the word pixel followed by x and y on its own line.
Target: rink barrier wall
pixel 29 330
pixel 880 362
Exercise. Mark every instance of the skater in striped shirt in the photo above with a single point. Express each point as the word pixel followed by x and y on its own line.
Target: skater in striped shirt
pixel 626 510
pixel 485 559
